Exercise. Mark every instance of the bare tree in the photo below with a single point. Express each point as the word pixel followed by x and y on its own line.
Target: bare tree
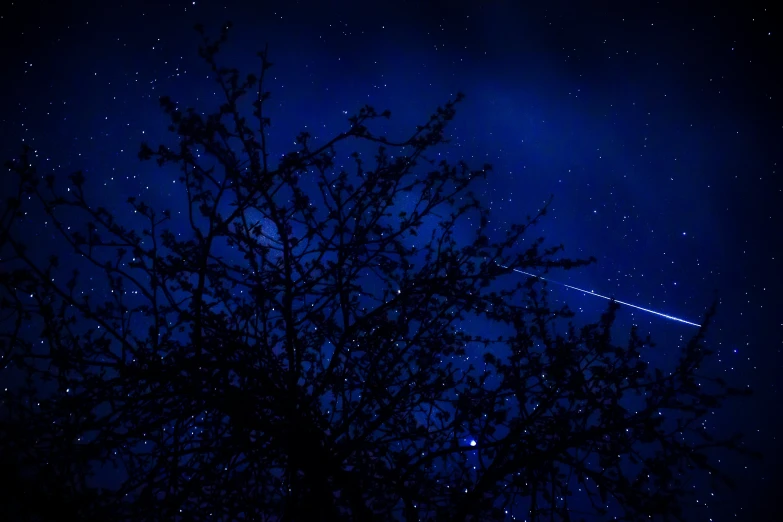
pixel 288 348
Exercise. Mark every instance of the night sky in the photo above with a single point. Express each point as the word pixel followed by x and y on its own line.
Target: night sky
pixel 657 129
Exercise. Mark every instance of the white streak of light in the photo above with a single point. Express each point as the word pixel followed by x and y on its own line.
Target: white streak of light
pixel 607 298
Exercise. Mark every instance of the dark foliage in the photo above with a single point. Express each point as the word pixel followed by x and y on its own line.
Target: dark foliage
pixel 275 354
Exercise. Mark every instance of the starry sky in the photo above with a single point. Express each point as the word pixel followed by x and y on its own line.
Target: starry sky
pixel 656 128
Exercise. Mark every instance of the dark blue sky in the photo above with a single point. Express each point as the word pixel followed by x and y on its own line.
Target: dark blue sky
pixel 656 128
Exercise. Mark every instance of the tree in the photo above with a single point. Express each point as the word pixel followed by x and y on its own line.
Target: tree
pixel 297 354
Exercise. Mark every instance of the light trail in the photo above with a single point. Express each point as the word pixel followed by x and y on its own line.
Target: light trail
pixel 666 316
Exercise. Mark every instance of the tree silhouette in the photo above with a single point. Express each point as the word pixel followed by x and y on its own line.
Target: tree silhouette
pixel 288 348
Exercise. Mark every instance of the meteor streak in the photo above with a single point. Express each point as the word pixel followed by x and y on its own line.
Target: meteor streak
pixel 666 316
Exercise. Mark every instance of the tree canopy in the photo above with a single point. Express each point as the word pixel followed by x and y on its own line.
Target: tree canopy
pixel 295 344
